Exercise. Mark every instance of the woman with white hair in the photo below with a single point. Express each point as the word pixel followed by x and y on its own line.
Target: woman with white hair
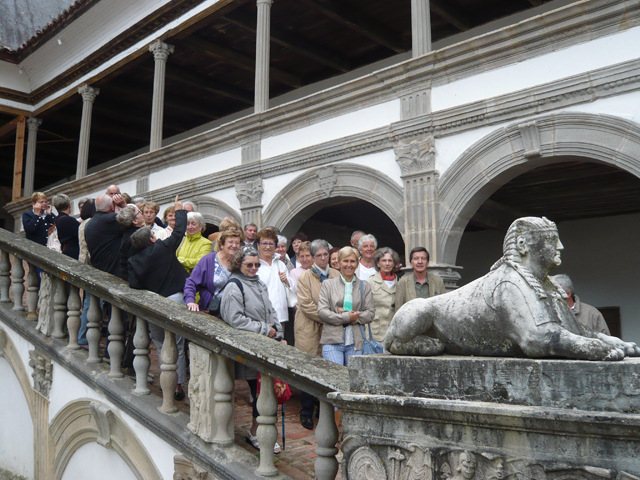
pixel 281 249
pixel 194 246
pixel 367 246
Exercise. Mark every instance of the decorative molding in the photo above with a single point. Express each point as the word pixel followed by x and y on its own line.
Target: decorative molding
pixel 530 139
pixel 327 179
pixel 42 372
pixel 88 93
pixel 185 469
pixel 416 157
pixel 142 185
pixel 251 153
pixel 214 210
pixel 161 50
pixel 102 416
pixel 201 393
pixel 249 193
pixel 415 104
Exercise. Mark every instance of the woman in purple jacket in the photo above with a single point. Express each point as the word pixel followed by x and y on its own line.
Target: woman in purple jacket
pixel 211 274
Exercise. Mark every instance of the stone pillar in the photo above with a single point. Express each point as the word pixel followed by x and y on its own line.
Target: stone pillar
pixel 263 36
pixel 32 124
pixel 33 285
pixel 267 431
pixel 168 372
pixel 420 178
pixel 89 95
pixel 5 277
pixel 326 465
pixel 161 53
pixel 420 28
pixel 17 278
pixel 249 194
pixel 116 341
pixel 141 362
pixel 94 317
pixel 74 310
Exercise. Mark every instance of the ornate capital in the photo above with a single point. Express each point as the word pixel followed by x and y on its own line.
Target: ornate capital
pixel 249 193
pixel 416 157
pixel 267 2
pixel 161 50
pixel 33 123
pixel 327 179
pixel 42 372
pixel 88 93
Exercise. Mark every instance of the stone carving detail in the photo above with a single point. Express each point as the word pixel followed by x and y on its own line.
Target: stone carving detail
pixel 201 393
pixel 42 372
pixel 88 93
pixel 416 157
pixel 327 179
pixel 249 193
pixel 466 468
pixel 530 139
pixel 250 153
pixel 3 342
pixel 102 415
pixel 45 307
pixel 161 50
pixel 365 464
pixel 185 469
pixel 513 310
pixel 416 104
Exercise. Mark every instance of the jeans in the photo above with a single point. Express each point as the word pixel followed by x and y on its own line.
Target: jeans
pixel 339 353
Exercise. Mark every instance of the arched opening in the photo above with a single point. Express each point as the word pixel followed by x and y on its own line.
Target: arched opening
pixel 597 210
pixel 335 219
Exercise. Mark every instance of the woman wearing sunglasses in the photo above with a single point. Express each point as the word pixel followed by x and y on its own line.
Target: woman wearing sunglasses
pixel 249 309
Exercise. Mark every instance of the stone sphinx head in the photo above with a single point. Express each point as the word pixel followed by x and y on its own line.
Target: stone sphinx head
pixel 468 464
pixel 533 242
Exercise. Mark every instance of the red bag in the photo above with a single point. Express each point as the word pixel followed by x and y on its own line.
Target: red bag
pixel 281 389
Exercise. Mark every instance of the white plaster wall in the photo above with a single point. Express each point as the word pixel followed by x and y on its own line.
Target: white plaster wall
pixel 14 77
pixel 385 162
pixel 16 426
pixel 349 124
pixel 600 255
pixel 228 196
pixel 22 346
pixel 273 185
pixel 84 462
pixel 195 169
pixel 564 63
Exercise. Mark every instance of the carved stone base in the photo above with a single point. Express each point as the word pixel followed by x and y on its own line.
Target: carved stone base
pixel 185 469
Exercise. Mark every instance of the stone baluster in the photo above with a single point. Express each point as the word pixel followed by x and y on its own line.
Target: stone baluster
pixel 5 277
pixel 74 306
pixel 326 465
pixel 267 431
pixel 116 342
pixel 223 413
pixel 33 285
pixel 94 317
pixel 168 373
pixel 17 277
pixel 59 309
pixel 141 362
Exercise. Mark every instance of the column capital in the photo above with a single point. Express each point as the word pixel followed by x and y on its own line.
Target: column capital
pixel 161 50
pixel 88 93
pixel 418 156
pixel 249 193
pixel 33 123
pixel 267 2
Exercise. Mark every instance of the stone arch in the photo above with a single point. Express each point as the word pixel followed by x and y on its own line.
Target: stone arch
pixel 519 147
pixel 339 180
pixel 214 210
pixel 85 421
pixel 9 352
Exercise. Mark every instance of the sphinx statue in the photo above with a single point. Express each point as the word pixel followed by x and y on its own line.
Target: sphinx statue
pixel 515 310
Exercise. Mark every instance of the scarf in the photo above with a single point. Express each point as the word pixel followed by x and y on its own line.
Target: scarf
pixel 318 270
pixel 348 294
pixel 388 278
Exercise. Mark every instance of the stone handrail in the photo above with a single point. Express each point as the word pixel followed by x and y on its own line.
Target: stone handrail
pixel 213 339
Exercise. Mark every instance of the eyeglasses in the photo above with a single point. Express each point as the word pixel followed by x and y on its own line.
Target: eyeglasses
pixel 268 244
pixel 321 255
pixel 252 265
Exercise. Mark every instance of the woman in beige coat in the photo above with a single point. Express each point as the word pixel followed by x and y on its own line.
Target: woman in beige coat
pixel 383 285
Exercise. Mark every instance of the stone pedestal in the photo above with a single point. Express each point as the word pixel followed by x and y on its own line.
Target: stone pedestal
pixel 493 418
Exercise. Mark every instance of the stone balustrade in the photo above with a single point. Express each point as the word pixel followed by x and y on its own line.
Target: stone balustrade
pixel 215 347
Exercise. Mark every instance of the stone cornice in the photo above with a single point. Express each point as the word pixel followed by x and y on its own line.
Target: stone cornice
pixel 588 87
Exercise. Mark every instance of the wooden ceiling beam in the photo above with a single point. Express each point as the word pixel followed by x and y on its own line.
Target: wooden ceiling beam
pixel 208 84
pixel 357 21
pixel 9 127
pixel 294 42
pixel 239 60
pixel 450 16
pixel 536 3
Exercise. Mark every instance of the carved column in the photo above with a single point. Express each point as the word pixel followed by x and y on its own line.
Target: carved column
pixel 168 373
pixel 89 95
pixel 161 53
pixel 420 178
pixel 326 465
pixel 94 317
pixel 17 277
pixel 267 431
pixel 33 285
pixel 420 28
pixel 116 342
pixel 223 388
pixel 59 309
pixel 74 308
pixel 249 194
pixel 32 124
pixel 263 37
pixel 45 303
pixel 5 277
pixel 141 362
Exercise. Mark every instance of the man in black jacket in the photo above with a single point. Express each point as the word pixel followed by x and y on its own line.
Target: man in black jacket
pixel 156 268
pixel 103 235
